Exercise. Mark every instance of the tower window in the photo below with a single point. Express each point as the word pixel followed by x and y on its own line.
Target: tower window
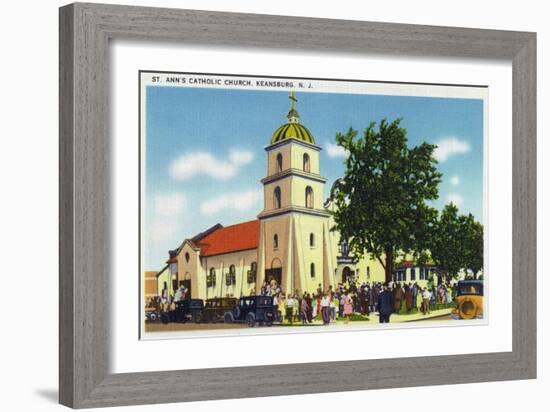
pixel 306 163
pixel 279 163
pixel 275 241
pixel 187 257
pixel 312 270
pixel 309 197
pixel 277 198
pixel 311 240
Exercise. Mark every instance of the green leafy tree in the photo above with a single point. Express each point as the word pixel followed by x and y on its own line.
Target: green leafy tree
pixel 380 203
pixel 473 244
pixel 447 243
pixel 457 242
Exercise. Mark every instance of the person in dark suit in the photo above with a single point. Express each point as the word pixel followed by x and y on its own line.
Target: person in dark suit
pixel 385 304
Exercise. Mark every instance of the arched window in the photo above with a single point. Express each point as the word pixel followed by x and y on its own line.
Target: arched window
pixel 187 257
pixel 211 278
pixel 277 198
pixel 312 270
pixel 279 163
pixel 251 276
pixel 309 197
pixel 275 241
pixel 231 276
pixel 311 240
pixel 306 163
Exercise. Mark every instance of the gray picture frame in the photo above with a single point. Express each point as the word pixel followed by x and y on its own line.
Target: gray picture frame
pixel 84 358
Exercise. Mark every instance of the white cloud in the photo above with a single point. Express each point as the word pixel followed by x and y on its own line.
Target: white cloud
pixel 455 180
pixel 194 164
pixel 169 204
pixel 161 231
pixel 243 201
pixel 334 150
pixel 456 199
pixel 240 157
pixel 448 147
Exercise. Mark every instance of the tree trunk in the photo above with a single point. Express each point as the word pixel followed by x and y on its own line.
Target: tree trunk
pixel 389 265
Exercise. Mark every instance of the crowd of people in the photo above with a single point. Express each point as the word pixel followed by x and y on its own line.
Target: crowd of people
pixel 344 301
pixel 350 299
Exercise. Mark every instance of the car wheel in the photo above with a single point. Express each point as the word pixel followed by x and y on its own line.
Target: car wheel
pixel 251 320
pixel 228 318
pixel 467 309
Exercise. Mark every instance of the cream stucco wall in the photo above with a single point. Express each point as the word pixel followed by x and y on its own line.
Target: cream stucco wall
pixel 269 190
pixel 319 254
pixel 292 154
pixel 190 269
pixel 165 277
pixel 221 263
pixel 297 160
pixel 285 151
pixel 298 192
pixel 375 271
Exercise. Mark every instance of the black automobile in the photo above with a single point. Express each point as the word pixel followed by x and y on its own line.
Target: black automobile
pixel 216 308
pixel 188 310
pixel 252 310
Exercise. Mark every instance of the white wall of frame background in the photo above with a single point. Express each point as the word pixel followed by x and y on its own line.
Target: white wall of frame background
pixel 28 210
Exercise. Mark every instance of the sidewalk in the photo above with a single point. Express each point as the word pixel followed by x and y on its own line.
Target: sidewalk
pixel 374 319
pixel 416 317
pixel 419 316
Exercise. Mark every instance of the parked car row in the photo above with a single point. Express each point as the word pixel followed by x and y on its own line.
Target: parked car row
pixel 252 310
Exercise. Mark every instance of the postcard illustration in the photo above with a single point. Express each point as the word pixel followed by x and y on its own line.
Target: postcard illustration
pixel 308 203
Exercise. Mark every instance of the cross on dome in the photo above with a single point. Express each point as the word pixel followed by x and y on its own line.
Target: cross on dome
pixel 292 129
pixel 293 116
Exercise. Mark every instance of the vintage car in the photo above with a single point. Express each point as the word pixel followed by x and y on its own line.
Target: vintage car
pixel 152 310
pixel 253 310
pixel 188 310
pixel 215 309
pixel 152 314
pixel 469 299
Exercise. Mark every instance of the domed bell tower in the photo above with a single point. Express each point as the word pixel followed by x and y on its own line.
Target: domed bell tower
pixel 294 248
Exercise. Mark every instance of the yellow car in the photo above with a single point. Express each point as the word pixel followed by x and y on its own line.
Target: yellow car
pixel 469 299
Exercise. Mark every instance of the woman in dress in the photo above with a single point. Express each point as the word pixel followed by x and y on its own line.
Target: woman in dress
pixel 348 306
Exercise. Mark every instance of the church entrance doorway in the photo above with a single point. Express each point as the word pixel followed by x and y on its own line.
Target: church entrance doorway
pixel 186 284
pixel 347 275
pixel 274 274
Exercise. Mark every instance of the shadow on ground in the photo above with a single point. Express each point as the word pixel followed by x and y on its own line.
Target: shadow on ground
pixel 51 395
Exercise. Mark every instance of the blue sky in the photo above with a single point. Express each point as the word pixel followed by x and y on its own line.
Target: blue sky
pixel 205 151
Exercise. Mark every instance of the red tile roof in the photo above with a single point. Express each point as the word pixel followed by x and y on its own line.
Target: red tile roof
pixel 242 236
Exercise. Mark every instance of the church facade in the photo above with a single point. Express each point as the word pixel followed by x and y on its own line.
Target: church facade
pixel 290 241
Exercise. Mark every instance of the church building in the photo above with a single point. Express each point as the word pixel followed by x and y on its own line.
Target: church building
pixel 290 241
